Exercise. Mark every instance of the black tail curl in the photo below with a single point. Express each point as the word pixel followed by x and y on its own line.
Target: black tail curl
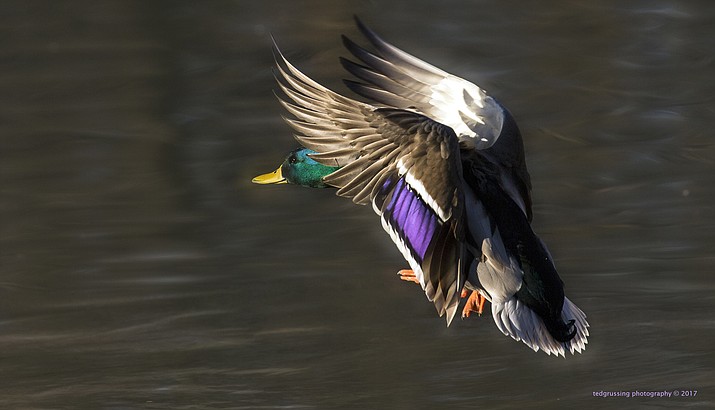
pixel 562 332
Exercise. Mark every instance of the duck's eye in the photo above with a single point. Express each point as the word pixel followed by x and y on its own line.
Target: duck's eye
pixel 292 160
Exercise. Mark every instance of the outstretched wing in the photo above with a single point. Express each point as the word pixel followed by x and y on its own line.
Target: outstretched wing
pixel 397 79
pixel 405 164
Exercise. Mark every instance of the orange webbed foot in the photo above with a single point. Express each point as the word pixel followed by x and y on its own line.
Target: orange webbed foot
pixel 475 303
pixel 408 275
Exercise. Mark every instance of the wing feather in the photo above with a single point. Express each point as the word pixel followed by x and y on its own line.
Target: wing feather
pixel 395 78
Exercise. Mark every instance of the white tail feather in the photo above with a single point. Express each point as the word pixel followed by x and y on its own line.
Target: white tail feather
pixel 571 312
pixel 517 320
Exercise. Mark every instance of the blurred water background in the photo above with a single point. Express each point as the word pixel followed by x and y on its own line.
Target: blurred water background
pixel 140 268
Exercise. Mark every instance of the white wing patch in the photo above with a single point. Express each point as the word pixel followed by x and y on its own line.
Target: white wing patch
pixel 466 108
pixel 450 102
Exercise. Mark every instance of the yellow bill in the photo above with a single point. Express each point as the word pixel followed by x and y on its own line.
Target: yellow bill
pixel 275 177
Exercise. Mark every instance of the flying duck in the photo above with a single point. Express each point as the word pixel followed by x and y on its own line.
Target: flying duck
pixel 442 164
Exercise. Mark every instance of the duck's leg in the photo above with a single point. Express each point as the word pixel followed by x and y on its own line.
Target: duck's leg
pixel 475 303
pixel 408 275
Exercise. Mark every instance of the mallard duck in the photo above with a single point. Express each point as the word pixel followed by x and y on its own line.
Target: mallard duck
pixel 442 164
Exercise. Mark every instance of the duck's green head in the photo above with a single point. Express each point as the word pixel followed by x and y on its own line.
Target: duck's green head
pixel 299 169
